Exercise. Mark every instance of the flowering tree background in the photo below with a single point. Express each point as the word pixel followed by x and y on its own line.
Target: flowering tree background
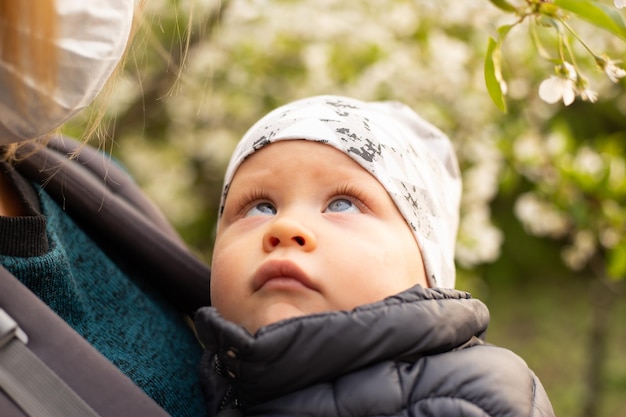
pixel 530 92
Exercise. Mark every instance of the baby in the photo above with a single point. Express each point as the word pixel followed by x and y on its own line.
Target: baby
pixel 333 271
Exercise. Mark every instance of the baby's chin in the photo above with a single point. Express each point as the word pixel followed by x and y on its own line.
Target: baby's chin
pixel 273 314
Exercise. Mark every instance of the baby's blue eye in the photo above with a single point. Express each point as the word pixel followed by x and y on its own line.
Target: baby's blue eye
pixel 342 205
pixel 262 209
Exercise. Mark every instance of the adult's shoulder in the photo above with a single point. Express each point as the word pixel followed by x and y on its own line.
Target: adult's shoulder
pixel 107 203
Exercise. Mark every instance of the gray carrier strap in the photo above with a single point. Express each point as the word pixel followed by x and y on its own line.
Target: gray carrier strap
pixel 30 383
pixel 52 341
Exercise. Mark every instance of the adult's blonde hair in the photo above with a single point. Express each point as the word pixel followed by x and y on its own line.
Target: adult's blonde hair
pixel 15 16
pixel 36 15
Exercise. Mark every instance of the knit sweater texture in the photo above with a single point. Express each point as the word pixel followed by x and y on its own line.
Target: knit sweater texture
pixel 121 316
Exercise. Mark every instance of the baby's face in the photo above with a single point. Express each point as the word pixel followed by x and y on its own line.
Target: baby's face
pixel 305 229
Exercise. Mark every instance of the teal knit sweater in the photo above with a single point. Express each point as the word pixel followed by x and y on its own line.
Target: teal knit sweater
pixel 121 317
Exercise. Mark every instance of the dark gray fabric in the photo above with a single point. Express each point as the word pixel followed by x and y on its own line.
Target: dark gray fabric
pixel 108 204
pixel 415 354
pixel 32 385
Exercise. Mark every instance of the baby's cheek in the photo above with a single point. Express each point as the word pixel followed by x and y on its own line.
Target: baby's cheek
pixel 221 299
pixel 219 282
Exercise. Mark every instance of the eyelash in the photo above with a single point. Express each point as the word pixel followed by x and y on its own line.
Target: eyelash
pixel 356 195
pixel 346 190
pixel 254 196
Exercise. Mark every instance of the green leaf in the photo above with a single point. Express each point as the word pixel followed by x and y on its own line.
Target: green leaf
pixel 492 82
pixel 597 14
pixel 493 68
pixel 504 5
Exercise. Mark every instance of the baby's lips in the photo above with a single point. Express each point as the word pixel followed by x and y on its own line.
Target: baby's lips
pixel 278 268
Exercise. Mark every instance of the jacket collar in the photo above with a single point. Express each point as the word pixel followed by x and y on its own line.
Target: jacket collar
pixel 295 353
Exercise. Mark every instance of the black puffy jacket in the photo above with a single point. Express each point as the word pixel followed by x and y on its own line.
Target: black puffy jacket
pixel 418 353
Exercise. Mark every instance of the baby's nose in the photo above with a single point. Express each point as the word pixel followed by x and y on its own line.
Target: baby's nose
pixel 285 232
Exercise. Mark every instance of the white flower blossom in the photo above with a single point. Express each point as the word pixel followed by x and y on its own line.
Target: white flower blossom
pixel 479 240
pixel 589 95
pixel 529 148
pixel 556 88
pixel 566 85
pixel 609 237
pixel 539 217
pixel 589 162
pixel 560 86
pixel 620 4
pixel 611 69
pixel 582 249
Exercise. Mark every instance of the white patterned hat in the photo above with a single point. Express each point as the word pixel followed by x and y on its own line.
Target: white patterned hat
pixel 413 160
